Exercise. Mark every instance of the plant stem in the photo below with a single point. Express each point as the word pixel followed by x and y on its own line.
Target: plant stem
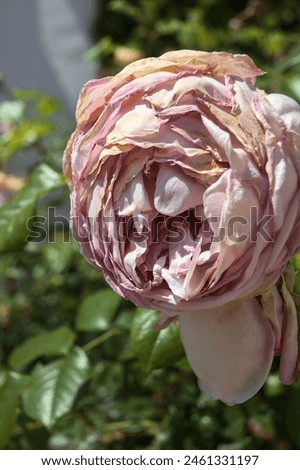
pixel 102 338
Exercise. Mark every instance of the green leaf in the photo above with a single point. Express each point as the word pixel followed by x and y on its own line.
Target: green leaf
pixel 154 349
pixel 235 423
pixel 9 399
pixel 125 8
pixel 47 105
pixel 273 387
pixel 293 415
pixel 15 216
pixel 296 262
pixel 59 254
pixel 264 424
pixel 24 94
pixel 52 343
pixel 97 311
pixel 53 387
pixel 104 48
pixel 11 111
pixel 293 84
pixel 289 61
pixel 22 136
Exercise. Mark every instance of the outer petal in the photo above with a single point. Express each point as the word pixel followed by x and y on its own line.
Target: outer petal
pixel 230 348
pixel 289 351
pixel 217 63
pixel 288 110
pixel 175 191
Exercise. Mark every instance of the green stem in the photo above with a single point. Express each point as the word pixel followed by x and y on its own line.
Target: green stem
pixel 100 339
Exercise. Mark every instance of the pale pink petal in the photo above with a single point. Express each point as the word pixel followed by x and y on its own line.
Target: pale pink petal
pixel 272 306
pixel 134 198
pixel 215 63
pixel 207 86
pixel 289 348
pixel 141 121
pixel 175 191
pixel 281 169
pixel 288 110
pixel 230 348
pixel 228 206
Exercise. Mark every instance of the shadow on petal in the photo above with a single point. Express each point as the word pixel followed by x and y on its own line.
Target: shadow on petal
pixel 230 348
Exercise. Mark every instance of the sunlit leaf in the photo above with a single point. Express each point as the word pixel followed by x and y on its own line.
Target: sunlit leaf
pixel 97 311
pixel 52 343
pixel 48 105
pixel 154 349
pixel 15 216
pixel 103 48
pixel 54 387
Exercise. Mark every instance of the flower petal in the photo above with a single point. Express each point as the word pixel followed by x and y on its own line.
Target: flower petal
pixel 288 110
pixel 175 191
pixel 134 199
pixel 289 351
pixel 230 348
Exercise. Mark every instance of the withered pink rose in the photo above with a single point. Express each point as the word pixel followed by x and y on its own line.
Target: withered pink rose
pixel 185 192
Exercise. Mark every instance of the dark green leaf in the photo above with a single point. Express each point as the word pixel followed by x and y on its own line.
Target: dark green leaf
pixel 293 415
pixel 54 387
pixel 235 423
pixel 97 311
pixel 15 216
pixel 264 425
pixel 103 48
pixel 9 399
pixel 154 349
pixel 52 343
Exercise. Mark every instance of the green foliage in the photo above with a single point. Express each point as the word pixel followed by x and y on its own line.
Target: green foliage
pixel 15 216
pixel 52 343
pixel 53 387
pixel 80 367
pixel 154 349
pixel 296 263
pixel 293 416
pixel 268 31
pixel 97 311
pixel 9 394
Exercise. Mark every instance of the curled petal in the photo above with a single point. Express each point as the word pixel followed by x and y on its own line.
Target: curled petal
pixel 289 349
pixel 230 348
pixel 218 63
pixel 176 192
pixel 288 110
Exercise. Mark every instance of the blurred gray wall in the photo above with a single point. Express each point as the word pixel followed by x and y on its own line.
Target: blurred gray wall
pixel 42 43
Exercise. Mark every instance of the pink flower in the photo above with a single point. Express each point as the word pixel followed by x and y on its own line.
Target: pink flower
pixel 185 192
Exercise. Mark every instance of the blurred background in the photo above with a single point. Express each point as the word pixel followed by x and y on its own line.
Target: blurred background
pixel 81 368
